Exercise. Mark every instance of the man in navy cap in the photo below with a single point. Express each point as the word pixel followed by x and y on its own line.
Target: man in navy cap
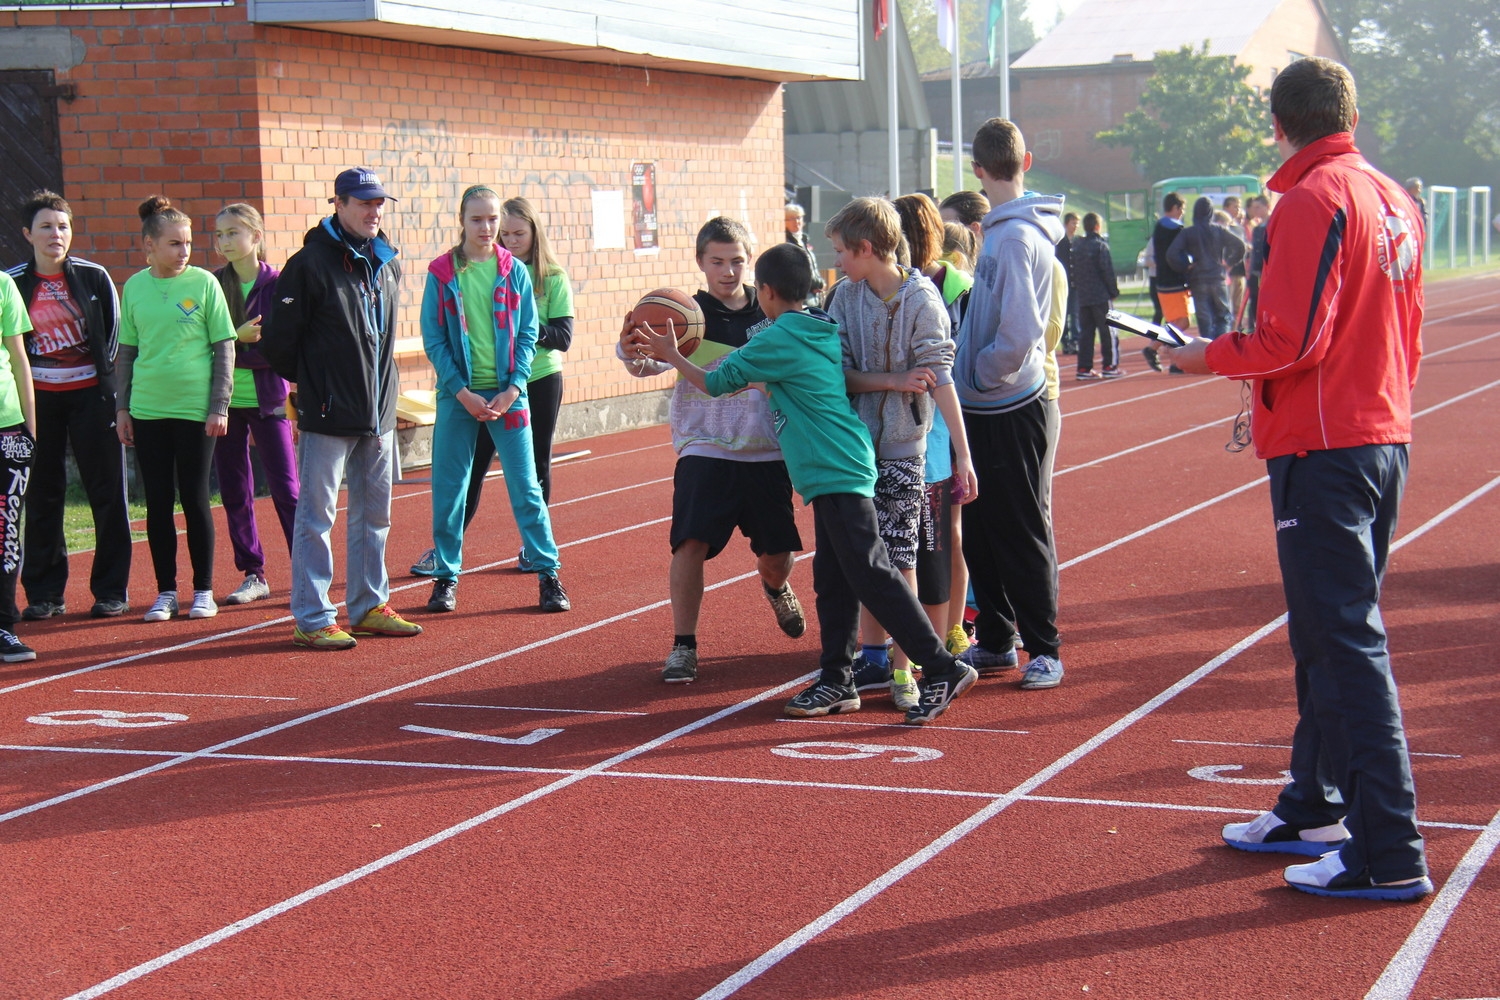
pixel 333 331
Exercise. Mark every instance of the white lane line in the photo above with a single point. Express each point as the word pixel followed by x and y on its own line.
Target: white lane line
pixel 1288 746
pixel 184 694
pixel 270 912
pixel 1145 446
pixel 1158 525
pixel 429 765
pixel 1406 966
pixel 1190 384
pixel 794 942
pixel 1455 399
pixel 902 725
pixel 287 619
pixel 521 708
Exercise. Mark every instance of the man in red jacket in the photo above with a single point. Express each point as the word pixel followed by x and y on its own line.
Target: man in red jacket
pixel 1333 355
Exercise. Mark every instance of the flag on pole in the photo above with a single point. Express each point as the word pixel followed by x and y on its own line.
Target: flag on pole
pixel 882 16
pixel 997 11
pixel 947 23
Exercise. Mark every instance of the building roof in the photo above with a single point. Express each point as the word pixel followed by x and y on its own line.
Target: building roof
pixel 1120 31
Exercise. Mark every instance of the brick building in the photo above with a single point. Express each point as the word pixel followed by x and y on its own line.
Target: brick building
pixel 557 101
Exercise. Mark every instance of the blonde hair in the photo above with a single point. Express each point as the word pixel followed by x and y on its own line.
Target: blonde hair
pixel 960 246
pixel 229 281
pixel 871 220
pixel 460 258
pixel 542 263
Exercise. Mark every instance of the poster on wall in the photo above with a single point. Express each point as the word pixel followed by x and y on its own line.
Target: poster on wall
pixel 107 4
pixel 643 211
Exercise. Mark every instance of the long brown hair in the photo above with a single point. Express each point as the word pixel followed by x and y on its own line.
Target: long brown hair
pixel 461 259
pixel 229 279
pixel 543 264
pixel 922 227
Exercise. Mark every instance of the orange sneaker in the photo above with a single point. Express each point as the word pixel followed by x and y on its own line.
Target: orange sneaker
pixel 384 621
pixel 327 637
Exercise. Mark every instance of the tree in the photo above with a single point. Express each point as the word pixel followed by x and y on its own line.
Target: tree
pixel 920 17
pixel 1197 116
pixel 1425 73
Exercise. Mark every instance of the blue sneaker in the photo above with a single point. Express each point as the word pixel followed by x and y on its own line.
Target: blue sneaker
pixel 987 662
pixel 823 699
pixel 1269 833
pixel 1327 877
pixel 937 693
pixel 427 565
pixel 1042 672
pixel 523 564
pixel 869 676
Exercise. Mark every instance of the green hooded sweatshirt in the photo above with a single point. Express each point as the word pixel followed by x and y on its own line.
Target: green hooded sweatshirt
pixel 826 447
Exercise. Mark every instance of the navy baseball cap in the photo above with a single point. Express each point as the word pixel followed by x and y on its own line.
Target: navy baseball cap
pixel 359 182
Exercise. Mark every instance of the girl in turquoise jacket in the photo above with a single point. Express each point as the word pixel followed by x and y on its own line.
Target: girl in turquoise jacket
pixel 479 328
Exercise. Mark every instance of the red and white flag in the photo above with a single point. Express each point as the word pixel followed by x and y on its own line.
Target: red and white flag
pixel 947 23
pixel 882 16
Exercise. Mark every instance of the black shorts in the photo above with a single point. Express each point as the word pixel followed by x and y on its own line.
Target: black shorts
pixel 713 496
pixel 935 545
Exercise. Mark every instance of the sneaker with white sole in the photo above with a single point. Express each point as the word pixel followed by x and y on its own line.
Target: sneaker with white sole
pixel 1041 673
pixel 937 693
pixel 1270 833
pixel 163 608
pixel 13 650
pixel 682 666
pixel 823 699
pixel 203 605
pixel 1328 877
pixel 427 565
pixel 254 588
pixel 789 617
pixel 987 662
pixel 869 675
pixel 905 694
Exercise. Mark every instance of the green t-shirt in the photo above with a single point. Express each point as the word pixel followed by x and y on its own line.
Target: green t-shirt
pixel 553 304
pixel 173 323
pixel 476 283
pixel 14 322
pixel 244 395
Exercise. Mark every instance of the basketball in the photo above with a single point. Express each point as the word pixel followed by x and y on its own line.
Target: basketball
pixel 669 306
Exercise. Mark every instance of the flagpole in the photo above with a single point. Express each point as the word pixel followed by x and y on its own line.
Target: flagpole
pixel 1004 63
pixel 894 139
pixel 958 118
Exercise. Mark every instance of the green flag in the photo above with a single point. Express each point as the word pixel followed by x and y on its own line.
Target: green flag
pixel 997 11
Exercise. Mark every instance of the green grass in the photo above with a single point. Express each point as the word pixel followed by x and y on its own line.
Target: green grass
pixel 78 519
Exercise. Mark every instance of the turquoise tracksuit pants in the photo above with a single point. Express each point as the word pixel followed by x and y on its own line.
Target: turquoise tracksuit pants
pixel 452 457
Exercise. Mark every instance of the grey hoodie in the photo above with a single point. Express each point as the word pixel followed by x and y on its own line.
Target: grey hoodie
pixel 910 331
pixel 999 366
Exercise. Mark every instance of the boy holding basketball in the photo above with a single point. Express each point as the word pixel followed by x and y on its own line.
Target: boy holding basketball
pixel 730 472
pixel 831 461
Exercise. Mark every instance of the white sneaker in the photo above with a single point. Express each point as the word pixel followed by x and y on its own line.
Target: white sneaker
pixel 1269 832
pixel 905 694
pixel 253 589
pixel 203 605
pixel 163 608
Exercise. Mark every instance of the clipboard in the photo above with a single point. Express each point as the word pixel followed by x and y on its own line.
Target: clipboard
pixel 1164 334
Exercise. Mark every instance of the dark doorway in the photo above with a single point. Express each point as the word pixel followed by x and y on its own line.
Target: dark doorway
pixel 30 151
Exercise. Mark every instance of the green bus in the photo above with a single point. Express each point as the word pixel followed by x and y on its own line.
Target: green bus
pixel 1132 214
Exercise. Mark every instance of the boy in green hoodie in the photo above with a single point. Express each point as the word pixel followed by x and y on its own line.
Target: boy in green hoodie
pixel 828 454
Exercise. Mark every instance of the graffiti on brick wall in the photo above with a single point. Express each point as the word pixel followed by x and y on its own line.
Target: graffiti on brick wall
pixel 418 160
pixel 1046 145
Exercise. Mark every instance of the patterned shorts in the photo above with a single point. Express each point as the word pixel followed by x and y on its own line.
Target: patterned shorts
pixel 898 507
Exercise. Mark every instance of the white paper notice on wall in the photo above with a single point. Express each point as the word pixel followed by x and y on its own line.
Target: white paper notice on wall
pixel 609 220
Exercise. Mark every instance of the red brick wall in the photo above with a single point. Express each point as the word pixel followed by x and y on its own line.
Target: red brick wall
pixel 207 109
pixel 1061 112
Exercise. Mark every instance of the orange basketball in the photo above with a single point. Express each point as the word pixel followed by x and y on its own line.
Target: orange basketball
pixel 669 308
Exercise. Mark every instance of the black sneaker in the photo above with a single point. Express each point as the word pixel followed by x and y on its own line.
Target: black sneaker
pixel 108 608
pixel 554 598
pixel 1152 358
pixel 38 611
pixel 938 693
pixel 444 596
pixel 870 676
pixel 823 699
pixel 13 650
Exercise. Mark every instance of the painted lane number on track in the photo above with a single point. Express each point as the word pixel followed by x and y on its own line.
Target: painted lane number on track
pixel 1213 772
pixel 855 751
pixel 106 717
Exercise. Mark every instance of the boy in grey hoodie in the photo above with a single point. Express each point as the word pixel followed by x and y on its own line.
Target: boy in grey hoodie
pixel 898 354
pixel 1002 388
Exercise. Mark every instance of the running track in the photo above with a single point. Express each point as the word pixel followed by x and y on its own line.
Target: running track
pixel 513 806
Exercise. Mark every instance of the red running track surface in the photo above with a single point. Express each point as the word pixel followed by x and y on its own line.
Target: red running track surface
pixel 512 805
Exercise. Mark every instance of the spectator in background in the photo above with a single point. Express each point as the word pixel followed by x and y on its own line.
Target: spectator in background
pixel 1064 250
pixel 1171 284
pixel 1258 210
pixel 1204 252
pixel 1236 273
pixel 960 248
pixel 1413 187
pixel 1092 286
pixel 967 208
pixel 796 219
